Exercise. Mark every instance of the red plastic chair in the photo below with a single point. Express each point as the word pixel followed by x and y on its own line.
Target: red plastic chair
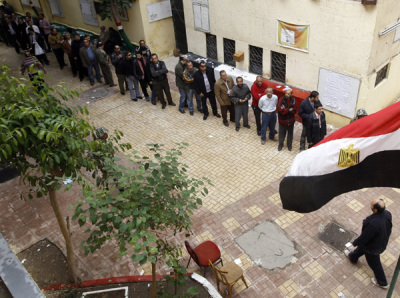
pixel 204 252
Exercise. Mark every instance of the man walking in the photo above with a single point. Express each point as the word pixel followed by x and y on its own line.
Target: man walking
pixel 257 91
pixel 180 82
pixel 223 91
pixel 286 111
pixel 159 72
pixel 376 230
pixel 204 81
pixel 102 58
pixel 88 58
pixel 306 109
pixel 56 42
pixel 267 105
pixel 240 97
pixel 188 76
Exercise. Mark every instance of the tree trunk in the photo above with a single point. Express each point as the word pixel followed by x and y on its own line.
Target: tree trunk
pixel 154 281
pixel 65 232
pixel 120 28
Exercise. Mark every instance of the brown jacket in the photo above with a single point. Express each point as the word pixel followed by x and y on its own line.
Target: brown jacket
pixel 67 48
pixel 221 91
pixel 54 41
pixel 85 57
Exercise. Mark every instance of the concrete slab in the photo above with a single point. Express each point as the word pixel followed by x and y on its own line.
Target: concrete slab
pixel 268 246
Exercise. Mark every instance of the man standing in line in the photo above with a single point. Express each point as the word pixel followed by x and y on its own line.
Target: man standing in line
pixel 159 72
pixel 102 58
pixel 258 90
pixel 12 34
pixel 223 91
pixel 305 111
pixel 143 75
pixel 188 76
pixel 56 41
pixel 45 27
pixel 144 50
pixel 34 27
pixel 68 50
pixel 35 20
pixel 267 105
pixel 75 48
pixel 376 230
pixel 37 46
pixel 240 97
pixel 88 58
pixel 117 59
pixel 204 81
pixel 180 82
pixel 129 70
pixel 286 111
pixel 316 126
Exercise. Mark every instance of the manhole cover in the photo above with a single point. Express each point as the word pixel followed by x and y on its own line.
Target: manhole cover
pixel 97 93
pixel 336 236
pixel 268 246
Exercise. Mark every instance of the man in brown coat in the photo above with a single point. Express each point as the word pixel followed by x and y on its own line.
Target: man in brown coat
pixel 66 46
pixel 222 89
pixel 56 40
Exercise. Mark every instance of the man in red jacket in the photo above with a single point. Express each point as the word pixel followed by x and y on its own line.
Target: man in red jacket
pixel 286 111
pixel 258 90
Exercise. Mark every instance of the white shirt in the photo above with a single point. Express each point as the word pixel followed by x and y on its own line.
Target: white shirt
pixel 206 82
pixel 34 27
pixel 268 105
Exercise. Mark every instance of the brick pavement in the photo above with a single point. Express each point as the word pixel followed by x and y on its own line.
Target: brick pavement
pixel 246 179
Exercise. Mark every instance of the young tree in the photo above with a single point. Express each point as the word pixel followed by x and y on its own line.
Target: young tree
pixel 45 140
pixel 109 8
pixel 157 199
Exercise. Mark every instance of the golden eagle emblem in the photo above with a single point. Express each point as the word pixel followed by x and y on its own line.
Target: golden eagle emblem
pixel 349 157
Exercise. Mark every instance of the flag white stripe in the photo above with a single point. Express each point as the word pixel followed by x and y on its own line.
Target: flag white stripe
pixel 324 158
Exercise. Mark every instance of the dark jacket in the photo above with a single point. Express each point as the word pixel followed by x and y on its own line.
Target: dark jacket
pixel 285 117
pixel 75 47
pixel 306 109
pixel 7 29
pixel 117 62
pixel 199 81
pixel 158 73
pixel 375 232
pixel 128 67
pixel 144 74
pixel 40 40
pixel 85 57
pixel 179 69
pixel 145 51
pixel 315 134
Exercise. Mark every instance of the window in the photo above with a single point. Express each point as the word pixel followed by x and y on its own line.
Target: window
pixel 211 42
pixel 397 33
pixel 382 74
pixel 35 3
pixel 88 12
pixel 56 8
pixel 278 67
pixel 229 51
pixel 256 60
pixel 200 15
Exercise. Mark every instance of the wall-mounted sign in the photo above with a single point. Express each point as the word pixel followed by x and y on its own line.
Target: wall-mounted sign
pixel 293 36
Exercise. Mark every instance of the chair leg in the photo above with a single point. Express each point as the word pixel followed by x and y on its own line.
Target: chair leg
pixel 205 271
pixel 244 280
pixel 188 262
pixel 230 291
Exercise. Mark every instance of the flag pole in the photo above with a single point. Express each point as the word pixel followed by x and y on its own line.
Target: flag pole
pixel 394 279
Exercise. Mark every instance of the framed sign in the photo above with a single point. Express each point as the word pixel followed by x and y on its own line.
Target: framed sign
pixel 292 36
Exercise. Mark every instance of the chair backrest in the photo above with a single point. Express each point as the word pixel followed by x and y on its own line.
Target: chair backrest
pixel 192 253
pixel 220 274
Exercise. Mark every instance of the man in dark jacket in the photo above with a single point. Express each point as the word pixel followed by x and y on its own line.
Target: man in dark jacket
pixel 204 81
pixel 12 33
pixel 316 126
pixel 144 50
pixel 286 110
pixel 240 97
pixel 88 58
pixel 180 82
pixel 159 72
pixel 128 68
pixel 305 111
pixel 75 47
pixel 142 70
pixel 376 230
pixel 117 59
pixel 37 46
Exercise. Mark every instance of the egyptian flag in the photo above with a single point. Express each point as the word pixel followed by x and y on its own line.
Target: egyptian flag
pixel 365 153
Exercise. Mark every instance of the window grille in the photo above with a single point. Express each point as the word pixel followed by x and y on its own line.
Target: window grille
pixel 256 60
pixel 278 67
pixel 88 12
pixel 201 15
pixel 229 51
pixel 382 74
pixel 211 41
pixel 56 8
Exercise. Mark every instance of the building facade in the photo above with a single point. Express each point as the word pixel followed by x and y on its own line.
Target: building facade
pixel 142 21
pixel 346 53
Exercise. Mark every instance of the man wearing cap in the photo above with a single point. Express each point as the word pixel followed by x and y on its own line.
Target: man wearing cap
pixel 375 233
pixel 180 82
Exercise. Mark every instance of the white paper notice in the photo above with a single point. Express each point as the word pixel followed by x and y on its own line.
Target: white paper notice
pixel 287 36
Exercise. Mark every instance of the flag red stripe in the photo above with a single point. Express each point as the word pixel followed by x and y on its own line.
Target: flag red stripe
pixel 380 123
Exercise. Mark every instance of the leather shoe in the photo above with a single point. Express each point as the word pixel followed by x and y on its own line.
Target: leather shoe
pixel 274 139
pixel 217 115
pixel 248 126
pixel 122 92
pixel 375 283
pixel 91 83
pixel 182 111
pixel 153 103
pixel 134 99
pixel 191 114
pixel 205 117
pixel 289 148
pixel 100 81
pixel 262 142
pixel 279 148
pixel 226 124
pixel 237 128
pixel 172 104
pixel 163 106
pixel 259 133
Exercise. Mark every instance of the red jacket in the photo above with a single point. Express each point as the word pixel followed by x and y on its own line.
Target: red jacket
pixel 285 117
pixel 257 92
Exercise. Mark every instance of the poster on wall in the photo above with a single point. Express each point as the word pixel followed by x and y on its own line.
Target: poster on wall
pixel 338 92
pixel 293 36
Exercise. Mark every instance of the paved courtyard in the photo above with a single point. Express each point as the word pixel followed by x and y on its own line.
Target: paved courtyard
pixel 246 178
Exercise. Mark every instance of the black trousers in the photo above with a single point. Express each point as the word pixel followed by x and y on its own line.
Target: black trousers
pixel 211 97
pixel 161 87
pixel 13 41
pixel 374 261
pixel 143 85
pixel 257 115
pixel 224 113
pixel 282 135
pixel 60 56
pixel 74 66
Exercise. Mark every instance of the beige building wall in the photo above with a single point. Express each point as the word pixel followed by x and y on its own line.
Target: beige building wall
pixel 343 38
pixel 159 35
